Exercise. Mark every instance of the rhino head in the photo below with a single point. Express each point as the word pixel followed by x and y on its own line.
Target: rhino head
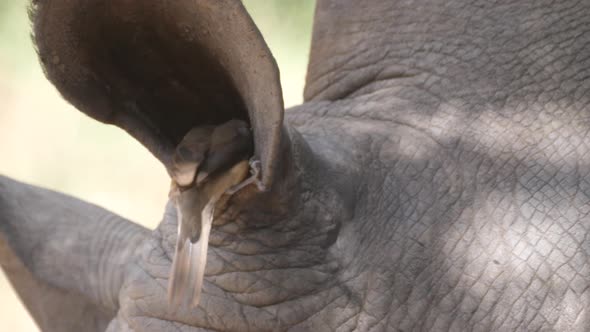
pixel 435 178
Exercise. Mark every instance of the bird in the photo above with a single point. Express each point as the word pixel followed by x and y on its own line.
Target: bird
pixel 207 163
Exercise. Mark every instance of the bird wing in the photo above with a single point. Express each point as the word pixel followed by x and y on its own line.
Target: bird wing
pixel 187 262
pixel 179 271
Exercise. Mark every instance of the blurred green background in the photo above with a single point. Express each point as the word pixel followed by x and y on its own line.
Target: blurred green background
pixel 46 142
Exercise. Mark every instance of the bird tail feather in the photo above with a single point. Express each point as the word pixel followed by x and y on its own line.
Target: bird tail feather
pixel 188 266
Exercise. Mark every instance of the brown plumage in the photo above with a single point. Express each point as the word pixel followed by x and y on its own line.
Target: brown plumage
pixel 207 163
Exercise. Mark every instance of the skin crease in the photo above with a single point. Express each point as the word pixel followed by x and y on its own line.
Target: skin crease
pixel 435 179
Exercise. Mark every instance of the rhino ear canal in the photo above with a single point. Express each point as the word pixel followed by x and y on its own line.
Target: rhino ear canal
pixel 160 68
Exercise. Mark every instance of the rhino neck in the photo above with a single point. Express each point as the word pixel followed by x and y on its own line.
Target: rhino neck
pixel 271 248
pixel 479 52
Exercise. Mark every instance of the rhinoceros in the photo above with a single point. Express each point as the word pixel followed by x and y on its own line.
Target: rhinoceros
pixel 435 178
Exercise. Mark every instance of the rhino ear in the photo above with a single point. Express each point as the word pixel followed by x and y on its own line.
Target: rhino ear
pixel 159 68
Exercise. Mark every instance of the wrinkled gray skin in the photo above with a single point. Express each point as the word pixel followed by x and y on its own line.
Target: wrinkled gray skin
pixel 439 181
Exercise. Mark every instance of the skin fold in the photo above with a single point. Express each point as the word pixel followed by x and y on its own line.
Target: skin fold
pixel 436 178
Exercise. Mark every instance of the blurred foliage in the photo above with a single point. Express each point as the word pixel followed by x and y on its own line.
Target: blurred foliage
pixel 15 42
pixel 44 141
pixel 286 26
pixel 292 17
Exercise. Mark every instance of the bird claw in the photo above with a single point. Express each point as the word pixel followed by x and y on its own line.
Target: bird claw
pixel 255 171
